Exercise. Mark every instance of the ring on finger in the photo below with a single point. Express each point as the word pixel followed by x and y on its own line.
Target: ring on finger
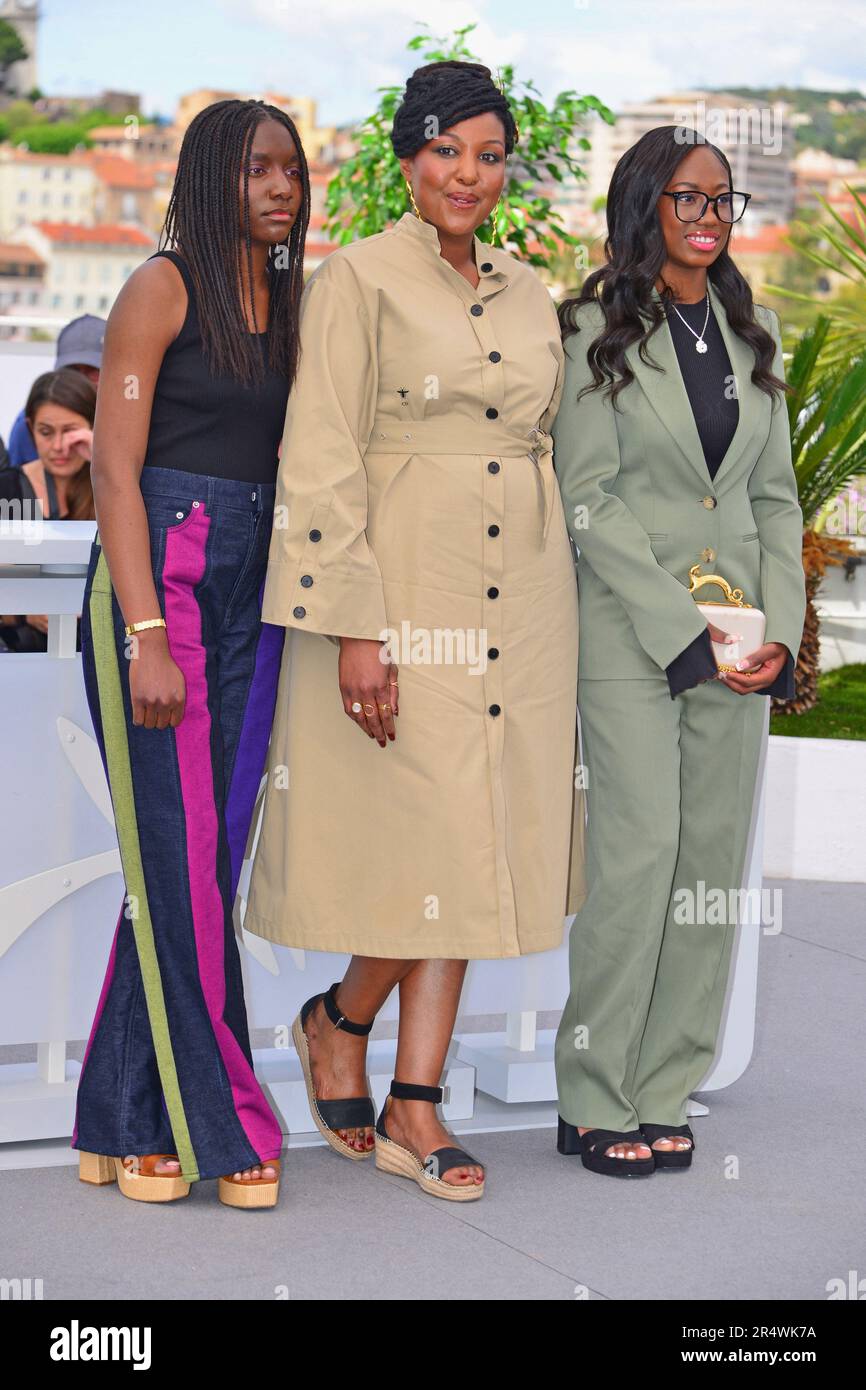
pixel 356 706
pixel 369 709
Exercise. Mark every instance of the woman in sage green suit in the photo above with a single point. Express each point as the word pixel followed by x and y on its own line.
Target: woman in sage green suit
pixel 672 449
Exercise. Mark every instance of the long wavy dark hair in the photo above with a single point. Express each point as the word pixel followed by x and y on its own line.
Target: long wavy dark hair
pixel 634 257
pixel 202 223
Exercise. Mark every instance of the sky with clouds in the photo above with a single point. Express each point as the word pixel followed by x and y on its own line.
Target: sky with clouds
pixel 339 51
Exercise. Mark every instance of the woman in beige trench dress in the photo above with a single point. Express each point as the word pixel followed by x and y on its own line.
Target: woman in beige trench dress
pixel 420 807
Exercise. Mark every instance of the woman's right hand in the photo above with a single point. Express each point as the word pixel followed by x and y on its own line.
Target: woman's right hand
pixel 156 683
pixel 718 634
pixel 365 680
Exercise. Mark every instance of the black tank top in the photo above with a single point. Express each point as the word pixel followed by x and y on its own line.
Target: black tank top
pixel 213 424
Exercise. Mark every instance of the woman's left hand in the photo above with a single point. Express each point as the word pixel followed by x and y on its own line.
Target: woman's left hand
pixel 760 668
pixel 78 444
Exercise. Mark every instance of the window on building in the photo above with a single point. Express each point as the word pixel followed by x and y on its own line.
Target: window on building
pixel 79 301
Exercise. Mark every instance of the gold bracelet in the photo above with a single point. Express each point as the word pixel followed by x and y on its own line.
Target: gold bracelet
pixel 142 626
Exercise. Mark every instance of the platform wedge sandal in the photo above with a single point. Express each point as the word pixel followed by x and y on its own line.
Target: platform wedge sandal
pixel 393 1158
pixel 251 1192
pixel 591 1147
pixel 139 1182
pixel 331 1115
pixel 670 1158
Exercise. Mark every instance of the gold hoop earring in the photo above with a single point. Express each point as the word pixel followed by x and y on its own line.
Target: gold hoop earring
pixel 414 204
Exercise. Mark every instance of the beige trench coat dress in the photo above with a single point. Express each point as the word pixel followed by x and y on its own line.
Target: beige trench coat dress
pixel 416 502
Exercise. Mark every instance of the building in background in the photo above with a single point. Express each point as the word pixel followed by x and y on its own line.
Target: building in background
pixel 758 141
pixel 24 16
pixel 85 267
pixel 22 281
pixel 302 111
pixel 136 141
pixel 818 174
pixel 124 191
pixel 49 187
pixel 70 108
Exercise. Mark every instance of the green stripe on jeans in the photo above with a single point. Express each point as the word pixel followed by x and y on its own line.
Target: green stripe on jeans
pixel 120 781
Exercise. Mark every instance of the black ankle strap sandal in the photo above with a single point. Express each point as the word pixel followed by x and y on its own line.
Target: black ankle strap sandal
pixel 339 1020
pixel 394 1158
pixel 591 1147
pixel 670 1158
pixel 354 1112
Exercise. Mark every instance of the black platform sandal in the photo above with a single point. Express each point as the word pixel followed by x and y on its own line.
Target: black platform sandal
pixel 393 1158
pixel 330 1115
pixel 670 1158
pixel 570 1141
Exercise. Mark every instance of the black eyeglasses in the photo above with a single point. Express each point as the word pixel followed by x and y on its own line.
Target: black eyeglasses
pixel 690 207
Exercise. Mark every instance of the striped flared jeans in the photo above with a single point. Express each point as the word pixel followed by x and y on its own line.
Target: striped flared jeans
pixel 168 1066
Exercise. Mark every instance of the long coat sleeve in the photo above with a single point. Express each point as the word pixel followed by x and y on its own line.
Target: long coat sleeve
pixel 322 575
pixel 605 530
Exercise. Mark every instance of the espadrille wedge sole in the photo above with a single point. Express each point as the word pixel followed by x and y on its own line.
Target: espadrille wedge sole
pixel 394 1158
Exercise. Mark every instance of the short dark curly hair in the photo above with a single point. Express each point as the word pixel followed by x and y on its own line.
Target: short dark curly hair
pixel 451 91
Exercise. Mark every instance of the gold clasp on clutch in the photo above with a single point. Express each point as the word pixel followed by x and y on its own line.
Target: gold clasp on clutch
pixel 697 581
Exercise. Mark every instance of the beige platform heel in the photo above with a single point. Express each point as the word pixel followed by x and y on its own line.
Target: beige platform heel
pixel 140 1182
pixel 251 1192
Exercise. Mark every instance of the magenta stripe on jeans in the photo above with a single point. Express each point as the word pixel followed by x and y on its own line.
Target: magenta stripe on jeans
pixel 103 995
pixel 184 567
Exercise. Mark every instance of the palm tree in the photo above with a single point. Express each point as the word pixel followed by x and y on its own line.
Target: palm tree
pixel 841 249
pixel 827 414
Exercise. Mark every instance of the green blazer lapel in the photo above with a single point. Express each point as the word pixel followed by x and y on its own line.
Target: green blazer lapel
pixel 754 404
pixel 667 395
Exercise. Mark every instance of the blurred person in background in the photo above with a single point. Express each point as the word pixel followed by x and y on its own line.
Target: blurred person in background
pixel 56 485
pixel 79 346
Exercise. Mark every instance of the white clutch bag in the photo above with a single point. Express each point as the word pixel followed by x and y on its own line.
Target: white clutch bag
pixel 731 614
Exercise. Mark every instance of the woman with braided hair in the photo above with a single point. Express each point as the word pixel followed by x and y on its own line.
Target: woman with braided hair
pixel 200 353
pixel 426 715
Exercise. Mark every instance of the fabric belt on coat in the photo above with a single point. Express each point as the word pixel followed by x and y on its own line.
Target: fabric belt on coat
pixel 390 436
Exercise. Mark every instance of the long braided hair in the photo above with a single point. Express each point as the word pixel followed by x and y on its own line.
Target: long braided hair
pixel 634 257
pixel 202 224
pixel 450 91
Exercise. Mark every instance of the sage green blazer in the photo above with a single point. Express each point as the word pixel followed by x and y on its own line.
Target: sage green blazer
pixel 641 507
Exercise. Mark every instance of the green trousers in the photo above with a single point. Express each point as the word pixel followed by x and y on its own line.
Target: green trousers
pixel 669 786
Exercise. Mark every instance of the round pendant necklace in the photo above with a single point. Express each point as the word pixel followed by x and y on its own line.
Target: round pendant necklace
pixel 700 345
